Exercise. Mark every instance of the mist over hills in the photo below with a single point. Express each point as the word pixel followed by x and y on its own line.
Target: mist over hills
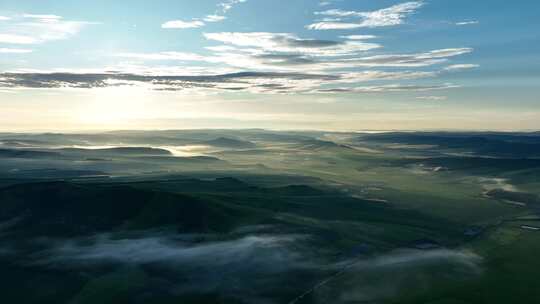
pixel 259 216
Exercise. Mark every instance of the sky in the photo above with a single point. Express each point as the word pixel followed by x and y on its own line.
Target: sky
pixel 341 65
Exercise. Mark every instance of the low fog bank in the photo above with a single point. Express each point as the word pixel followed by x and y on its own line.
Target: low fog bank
pixel 403 272
pixel 406 257
pixel 245 251
pixel 250 264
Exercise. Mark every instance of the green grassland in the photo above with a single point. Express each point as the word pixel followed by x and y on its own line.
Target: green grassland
pixel 254 216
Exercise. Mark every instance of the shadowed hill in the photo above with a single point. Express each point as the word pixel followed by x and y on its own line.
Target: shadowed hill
pixel 129 151
pixel 66 209
pixel 495 144
pixel 23 153
pixel 225 142
pixel 317 144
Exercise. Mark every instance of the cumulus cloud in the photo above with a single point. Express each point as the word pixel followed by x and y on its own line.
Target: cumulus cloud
pixel 393 15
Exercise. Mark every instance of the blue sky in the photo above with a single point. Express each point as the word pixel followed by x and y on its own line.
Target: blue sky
pixel 297 64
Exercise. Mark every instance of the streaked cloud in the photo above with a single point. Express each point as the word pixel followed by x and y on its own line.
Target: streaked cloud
pixel 290 54
pixel 356 77
pixel 471 22
pixel 17 39
pixel 358 37
pixel 35 29
pixel 14 51
pixel 286 42
pixel 393 15
pixel 254 82
pixel 228 5
pixel 389 88
pixel 408 46
pixel 254 62
pixel 51 18
pixel 181 56
pixel 214 18
pixel 458 67
pixel 179 24
pixel 432 98
pixel 218 16
pixel 401 60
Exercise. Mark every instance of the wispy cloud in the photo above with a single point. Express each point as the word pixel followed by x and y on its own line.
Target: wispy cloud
pixel 254 82
pixel 432 98
pixel 471 22
pixel 285 52
pixel 164 56
pixel 393 15
pixel 214 18
pixel 401 60
pixel 358 37
pixel 458 67
pixel 218 16
pixel 4 18
pixel 17 39
pixel 389 88
pixel 14 51
pixel 328 2
pixel 231 82
pixel 228 5
pixel 51 18
pixel 289 43
pixel 179 24
pixel 34 29
pixel 256 62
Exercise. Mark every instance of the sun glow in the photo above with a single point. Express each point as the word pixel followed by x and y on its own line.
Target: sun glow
pixel 115 106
